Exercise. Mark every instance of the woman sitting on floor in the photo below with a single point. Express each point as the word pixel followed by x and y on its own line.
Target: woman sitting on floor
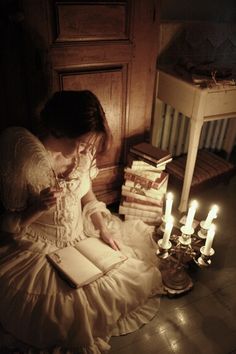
pixel 45 188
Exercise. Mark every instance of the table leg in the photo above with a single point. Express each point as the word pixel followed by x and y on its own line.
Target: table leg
pixel 194 136
pixel 157 123
pixel 230 137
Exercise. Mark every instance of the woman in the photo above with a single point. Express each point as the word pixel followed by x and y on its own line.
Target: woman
pixel 46 191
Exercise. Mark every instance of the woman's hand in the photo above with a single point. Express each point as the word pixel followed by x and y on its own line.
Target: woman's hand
pixel 99 222
pixel 48 198
pixel 15 221
pixel 107 238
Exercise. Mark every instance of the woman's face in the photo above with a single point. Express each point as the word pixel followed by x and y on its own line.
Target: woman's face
pixel 83 144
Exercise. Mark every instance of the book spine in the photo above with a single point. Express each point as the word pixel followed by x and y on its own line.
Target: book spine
pixel 151 192
pixel 136 200
pixel 132 155
pixel 138 212
pixel 126 192
pixel 164 163
pixel 144 173
pixel 147 167
pixel 144 182
pixel 158 184
pixel 142 206
pixel 143 155
pixel 141 165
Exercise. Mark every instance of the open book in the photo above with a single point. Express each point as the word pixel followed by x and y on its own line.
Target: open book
pixel 87 261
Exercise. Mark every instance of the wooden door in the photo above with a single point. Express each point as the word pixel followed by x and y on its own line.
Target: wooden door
pixel 109 47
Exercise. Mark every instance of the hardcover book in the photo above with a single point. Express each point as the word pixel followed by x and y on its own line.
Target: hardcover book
pixel 143 202
pixel 134 160
pixel 138 194
pixel 151 153
pixel 87 261
pixel 141 206
pixel 146 174
pixel 142 165
pixel 147 180
pixel 138 212
pixel 151 192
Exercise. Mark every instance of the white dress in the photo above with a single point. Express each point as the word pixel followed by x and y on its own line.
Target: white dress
pixel 38 310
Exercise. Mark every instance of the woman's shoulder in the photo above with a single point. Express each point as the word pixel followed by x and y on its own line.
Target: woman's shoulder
pixel 20 146
pixel 14 134
pixel 14 130
pixel 19 138
pixel 23 154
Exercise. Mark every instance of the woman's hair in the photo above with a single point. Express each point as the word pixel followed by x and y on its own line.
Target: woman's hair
pixel 72 114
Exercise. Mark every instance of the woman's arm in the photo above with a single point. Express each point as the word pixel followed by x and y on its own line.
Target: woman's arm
pixel 99 223
pixel 14 221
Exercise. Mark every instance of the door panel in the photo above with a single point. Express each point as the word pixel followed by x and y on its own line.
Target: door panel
pixel 110 48
pixel 91 21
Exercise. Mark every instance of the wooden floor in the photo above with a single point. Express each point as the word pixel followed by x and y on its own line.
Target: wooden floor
pixel 202 321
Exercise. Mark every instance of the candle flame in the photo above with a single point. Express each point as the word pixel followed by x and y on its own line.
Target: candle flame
pixel 215 208
pixel 169 196
pixel 194 204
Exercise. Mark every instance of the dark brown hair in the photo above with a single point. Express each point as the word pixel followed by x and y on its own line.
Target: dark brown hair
pixel 72 114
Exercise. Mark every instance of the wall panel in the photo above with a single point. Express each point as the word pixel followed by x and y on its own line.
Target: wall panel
pixel 78 21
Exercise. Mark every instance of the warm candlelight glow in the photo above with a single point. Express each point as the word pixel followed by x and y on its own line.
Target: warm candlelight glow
pixel 191 213
pixel 168 229
pixel 211 215
pixel 209 239
pixel 169 202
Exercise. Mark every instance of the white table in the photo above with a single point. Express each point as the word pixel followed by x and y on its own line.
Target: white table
pixel 199 105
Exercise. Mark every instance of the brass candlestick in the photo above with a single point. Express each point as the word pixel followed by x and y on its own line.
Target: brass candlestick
pixel 185 238
pixel 205 259
pixel 176 280
pixel 202 233
pixel 163 252
pixel 180 250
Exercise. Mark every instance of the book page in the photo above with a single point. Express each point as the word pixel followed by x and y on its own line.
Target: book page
pixel 74 266
pixel 100 253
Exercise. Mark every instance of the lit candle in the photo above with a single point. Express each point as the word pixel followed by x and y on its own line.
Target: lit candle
pixel 167 232
pixel 211 215
pixel 209 239
pixel 191 213
pixel 169 202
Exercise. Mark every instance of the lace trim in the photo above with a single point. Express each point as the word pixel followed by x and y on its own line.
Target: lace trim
pixel 32 235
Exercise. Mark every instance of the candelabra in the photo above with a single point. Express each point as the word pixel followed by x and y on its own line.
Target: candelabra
pixel 185 244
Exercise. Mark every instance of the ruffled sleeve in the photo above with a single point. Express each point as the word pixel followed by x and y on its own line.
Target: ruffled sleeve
pixel 13 185
pixel 89 209
pixel 23 167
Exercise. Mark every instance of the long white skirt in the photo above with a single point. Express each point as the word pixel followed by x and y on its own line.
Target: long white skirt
pixel 39 312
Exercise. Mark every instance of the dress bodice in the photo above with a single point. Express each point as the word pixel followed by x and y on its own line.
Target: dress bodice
pixel 63 223
pixel 30 162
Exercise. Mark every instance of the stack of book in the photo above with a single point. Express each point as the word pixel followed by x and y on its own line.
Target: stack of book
pixel 145 183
